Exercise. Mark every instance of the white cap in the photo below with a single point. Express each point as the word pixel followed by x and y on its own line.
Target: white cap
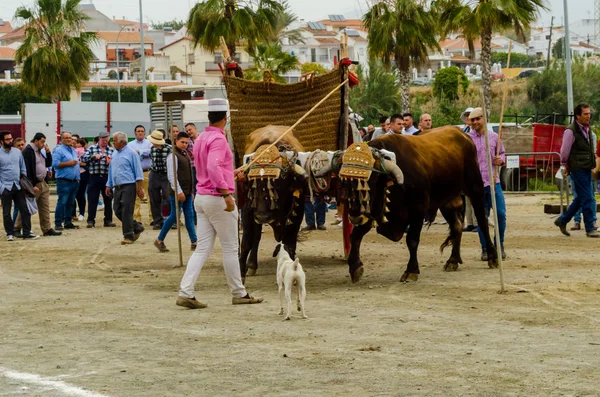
pixel 463 115
pixel 218 105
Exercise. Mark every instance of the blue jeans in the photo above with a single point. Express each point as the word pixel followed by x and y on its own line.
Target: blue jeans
pixel 582 199
pixel 577 217
pixel 319 207
pixel 66 191
pixel 188 213
pixel 500 209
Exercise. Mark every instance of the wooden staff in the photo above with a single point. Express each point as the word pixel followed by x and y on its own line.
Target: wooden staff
pixel 177 217
pixel 488 158
pixel 241 169
pixel 504 93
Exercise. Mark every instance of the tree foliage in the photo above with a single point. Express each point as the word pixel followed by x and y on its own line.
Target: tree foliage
pixel 447 82
pixel 55 53
pixel 516 60
pixel 13 95
pixel 479 19
pixel 313 67
pixel 547 91
pixel 128 94
pixel 558 49
pixel 176 24
pixel 402 30
pixel 251 21
pixel 377 94
pixel 270 57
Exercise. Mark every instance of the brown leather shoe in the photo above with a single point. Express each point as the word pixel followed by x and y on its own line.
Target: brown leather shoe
pixel 562 227
pixel 576 226
pixel 246 300
pixel 161 246
pixel 126 241
pixel 189 303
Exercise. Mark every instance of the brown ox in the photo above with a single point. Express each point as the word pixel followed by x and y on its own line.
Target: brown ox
pixel 430 173
pixel 274 200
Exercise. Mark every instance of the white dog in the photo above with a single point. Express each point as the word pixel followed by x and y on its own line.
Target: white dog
pixel 288 272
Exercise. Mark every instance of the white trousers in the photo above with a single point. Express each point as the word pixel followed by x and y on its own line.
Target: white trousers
pixel 469 213
pixel 214 221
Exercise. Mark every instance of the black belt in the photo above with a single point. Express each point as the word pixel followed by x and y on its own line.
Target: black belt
pixel 68 180
pixel 159 172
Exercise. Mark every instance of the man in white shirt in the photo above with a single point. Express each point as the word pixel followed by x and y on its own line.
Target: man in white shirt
pixel 409 124
pixel 142 147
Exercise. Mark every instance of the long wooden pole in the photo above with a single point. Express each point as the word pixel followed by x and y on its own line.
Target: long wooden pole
pixel 296 123
pixel 488 157
pixel 176 209
pixel 504 93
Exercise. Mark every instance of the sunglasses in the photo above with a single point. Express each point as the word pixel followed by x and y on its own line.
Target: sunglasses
pixel 476 118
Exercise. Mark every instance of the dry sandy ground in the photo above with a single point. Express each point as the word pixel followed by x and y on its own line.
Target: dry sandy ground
pixel 81 315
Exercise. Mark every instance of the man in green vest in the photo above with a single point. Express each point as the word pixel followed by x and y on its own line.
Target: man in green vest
pixel 577 157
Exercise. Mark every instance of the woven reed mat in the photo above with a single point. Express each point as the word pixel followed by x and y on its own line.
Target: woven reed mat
pixel 255 104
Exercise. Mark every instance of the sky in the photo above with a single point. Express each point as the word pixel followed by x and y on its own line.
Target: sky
pixel 309 10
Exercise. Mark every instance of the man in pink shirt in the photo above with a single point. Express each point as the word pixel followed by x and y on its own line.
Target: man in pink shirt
pixel 216 210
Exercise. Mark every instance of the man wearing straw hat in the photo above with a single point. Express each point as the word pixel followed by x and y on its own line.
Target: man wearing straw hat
pixel 216 210
pixel 158 183
pixel 469 213
pixel 477 134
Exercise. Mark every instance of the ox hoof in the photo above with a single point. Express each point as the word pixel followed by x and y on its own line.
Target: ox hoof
pixel 251 272
pixel 407 277
pixel 450 267
pixel 493 264
pixel 357 274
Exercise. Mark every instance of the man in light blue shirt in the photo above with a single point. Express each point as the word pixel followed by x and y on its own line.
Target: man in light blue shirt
pixel 142 147
pixel 409 124
pixel 66 163
pixel 125 176
pixel 12 167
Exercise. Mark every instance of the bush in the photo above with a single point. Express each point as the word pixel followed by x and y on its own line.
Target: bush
pixel 128 94
pixel 13 95
pixel 447 81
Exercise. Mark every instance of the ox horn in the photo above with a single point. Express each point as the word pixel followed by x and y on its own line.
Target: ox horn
pixel 393 169
pixel 299 170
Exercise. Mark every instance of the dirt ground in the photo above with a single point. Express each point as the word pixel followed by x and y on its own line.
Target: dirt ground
pixel 81 315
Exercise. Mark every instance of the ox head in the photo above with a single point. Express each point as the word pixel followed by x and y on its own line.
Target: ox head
pixel 366 177
pixel 275 185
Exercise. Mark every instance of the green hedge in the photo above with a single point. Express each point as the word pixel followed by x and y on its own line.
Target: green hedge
pixel 128 94
pixel 13 95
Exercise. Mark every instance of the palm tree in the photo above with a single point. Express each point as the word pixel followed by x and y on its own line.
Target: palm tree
pixel 272 58
pixel 402 30
pixel 251 21
pixel 55 53
pixel 287 17
pixel 480 18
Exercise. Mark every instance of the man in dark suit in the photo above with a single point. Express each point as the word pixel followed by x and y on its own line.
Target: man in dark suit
pixel 37 172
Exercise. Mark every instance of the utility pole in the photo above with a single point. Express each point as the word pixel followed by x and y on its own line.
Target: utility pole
pixel 144 94
pixel 568 61
pixel 549 43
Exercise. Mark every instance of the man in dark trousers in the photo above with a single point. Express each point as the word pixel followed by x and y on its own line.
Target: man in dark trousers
pixel 37 171
pixel 158 183
pixel 97 158
pixel 577 157
pixel 12 167
pixel 125 176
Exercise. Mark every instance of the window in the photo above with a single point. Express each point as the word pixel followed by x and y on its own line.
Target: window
pixel 86 97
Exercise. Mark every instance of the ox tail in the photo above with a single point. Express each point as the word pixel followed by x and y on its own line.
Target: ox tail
pixel 296 263
pixel 446 243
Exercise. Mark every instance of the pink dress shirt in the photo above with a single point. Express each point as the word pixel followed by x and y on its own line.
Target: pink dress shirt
pixel 479 141
pixel 214 162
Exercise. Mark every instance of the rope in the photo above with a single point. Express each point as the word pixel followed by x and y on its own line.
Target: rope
pixel 315 162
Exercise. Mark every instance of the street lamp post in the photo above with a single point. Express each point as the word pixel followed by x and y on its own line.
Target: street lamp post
pixel 144 95
pixel 118 76
pixel 568 61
